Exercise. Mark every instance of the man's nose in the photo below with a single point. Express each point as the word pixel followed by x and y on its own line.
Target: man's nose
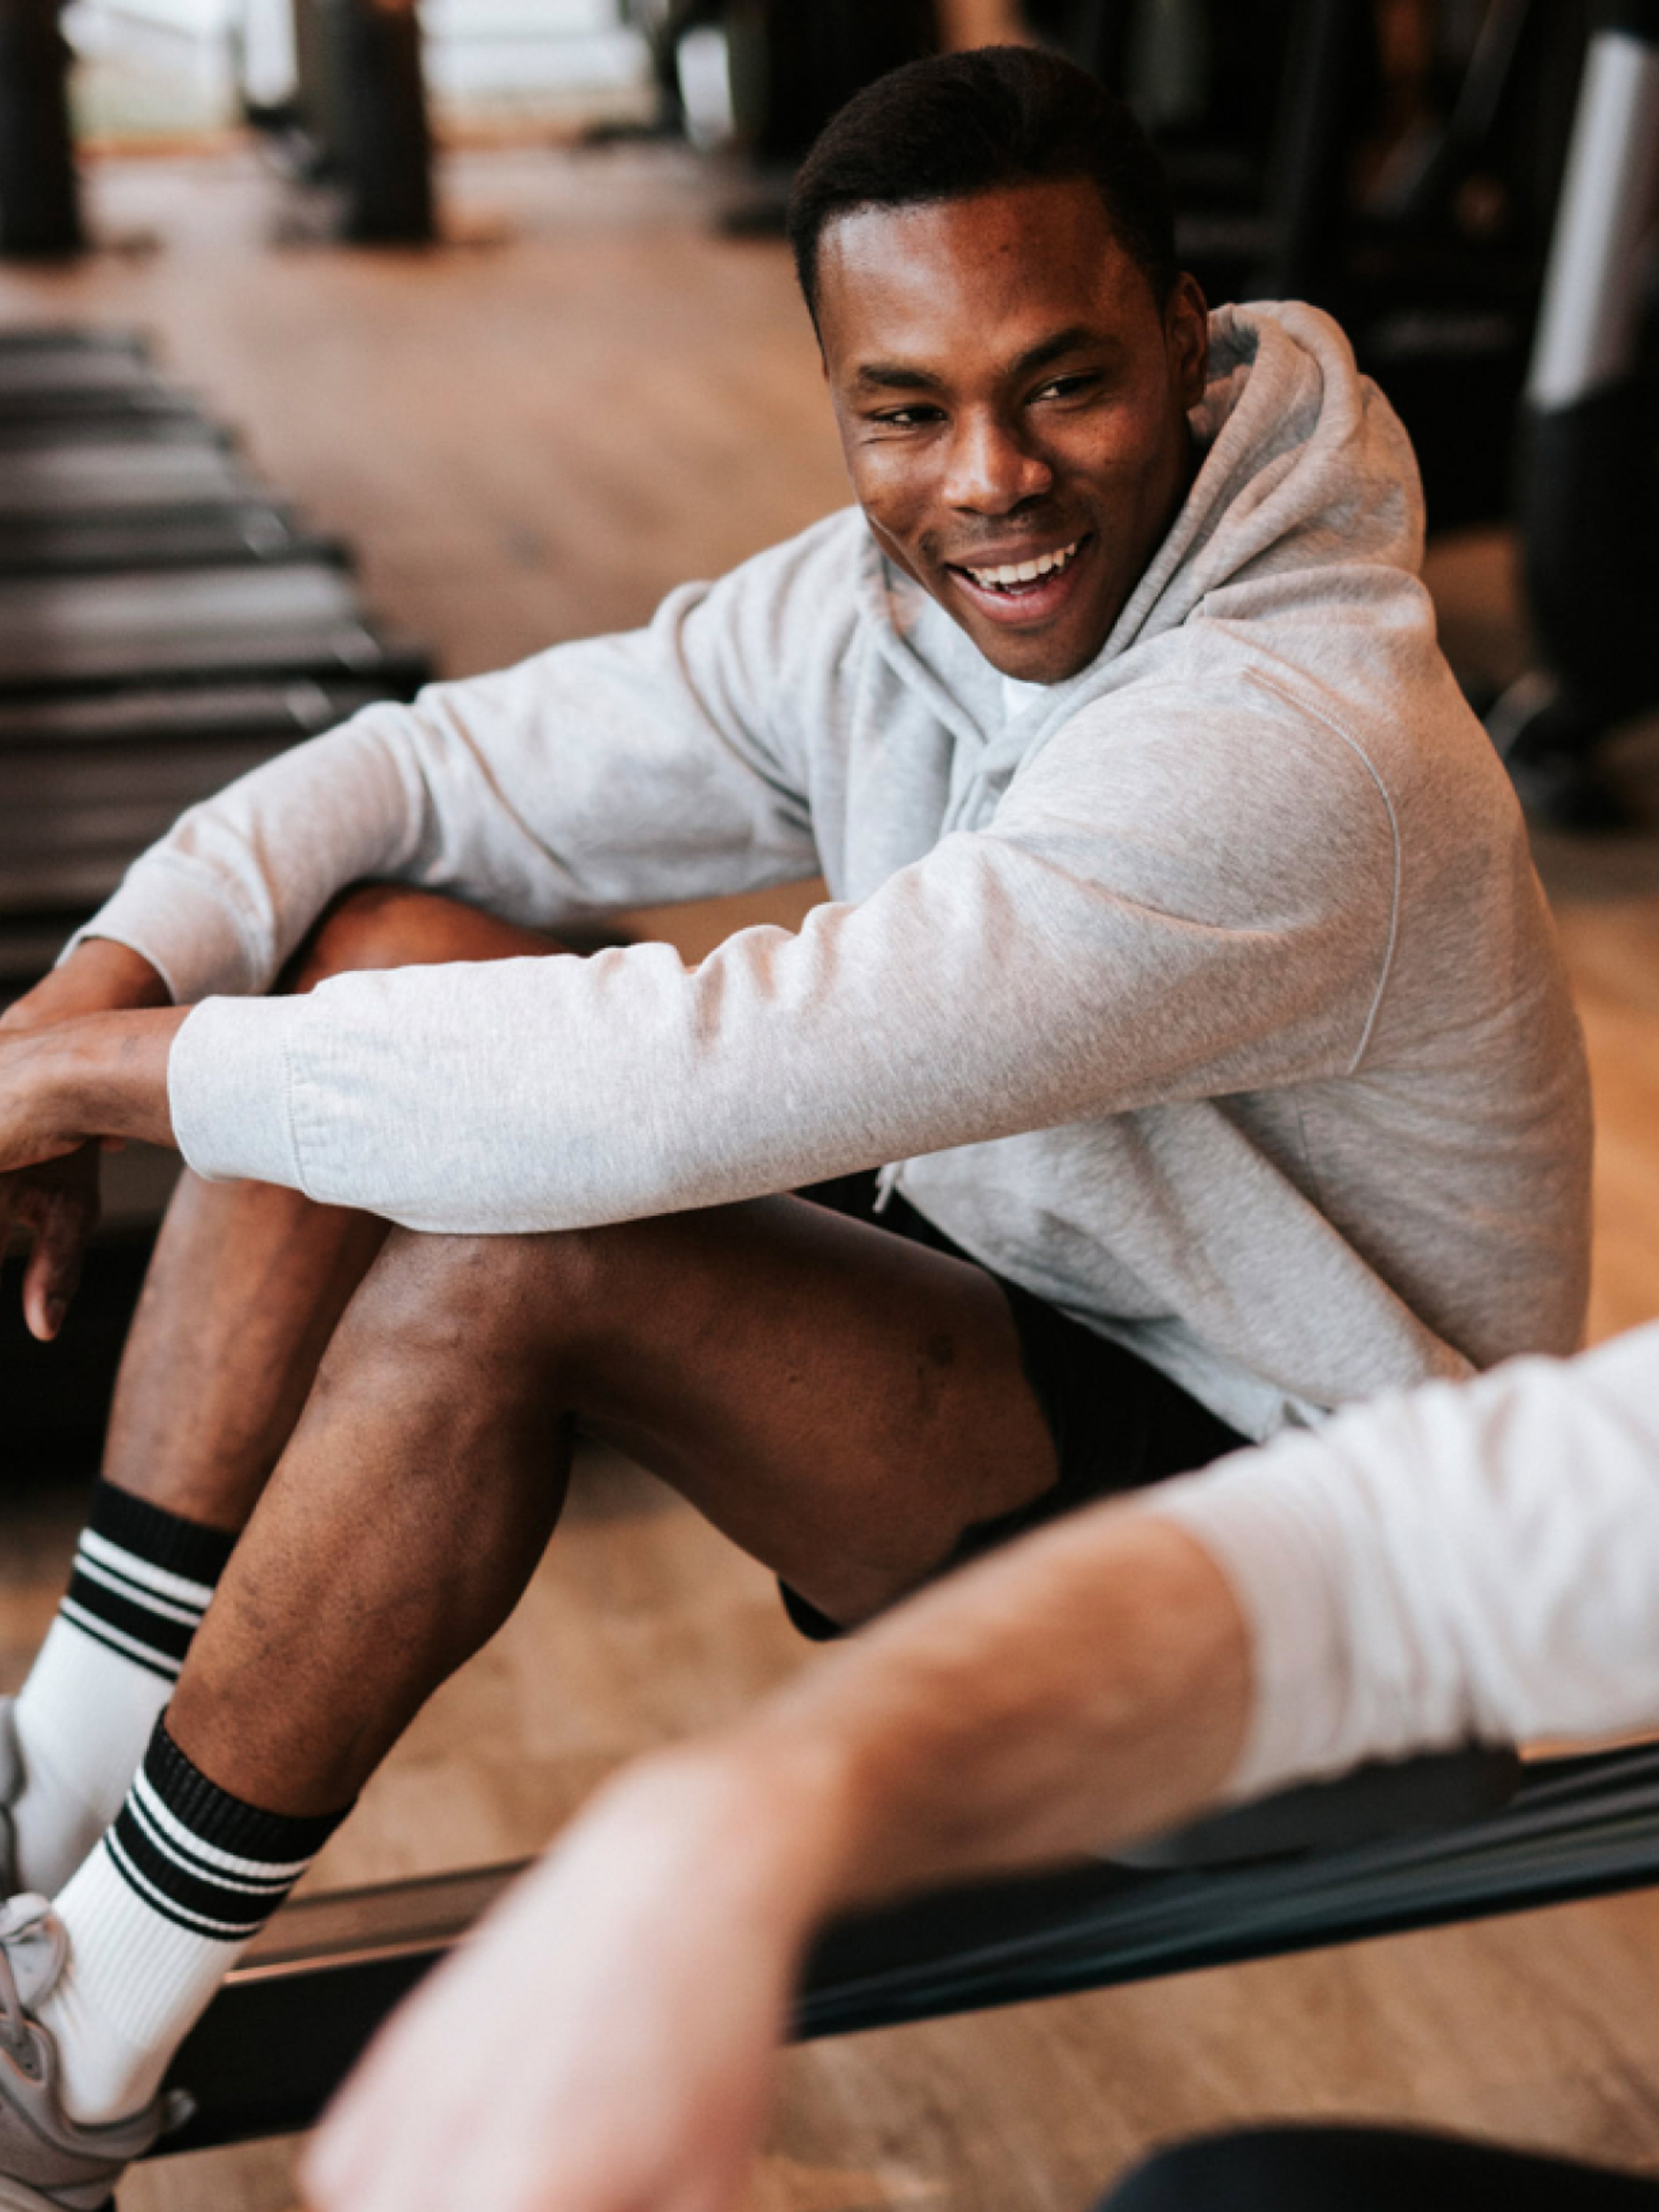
pixel 992 469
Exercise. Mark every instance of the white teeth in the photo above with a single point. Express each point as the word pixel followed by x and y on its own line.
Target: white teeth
pixel 1024 572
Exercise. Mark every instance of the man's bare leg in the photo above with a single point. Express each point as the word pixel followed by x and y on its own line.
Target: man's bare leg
pixel 843 1402
pixel 248 1280
pixel 247 1283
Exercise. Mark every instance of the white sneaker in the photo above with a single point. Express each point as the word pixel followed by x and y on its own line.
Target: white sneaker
pixel 49 2163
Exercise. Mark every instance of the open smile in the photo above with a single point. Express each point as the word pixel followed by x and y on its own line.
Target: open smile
pixel 1031 590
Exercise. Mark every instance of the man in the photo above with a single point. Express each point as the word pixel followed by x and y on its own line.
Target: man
pixel 1185 976
pixel 1454 1563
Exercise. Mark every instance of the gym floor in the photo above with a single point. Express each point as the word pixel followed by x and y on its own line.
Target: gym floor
pixel 531 434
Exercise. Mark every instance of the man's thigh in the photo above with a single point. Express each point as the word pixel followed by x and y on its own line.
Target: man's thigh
pixel 843 1402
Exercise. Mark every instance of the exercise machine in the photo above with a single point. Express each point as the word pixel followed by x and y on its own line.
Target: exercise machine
pixel 357 125
pixel 293 2018
pixel 166 625
pixel 1587 490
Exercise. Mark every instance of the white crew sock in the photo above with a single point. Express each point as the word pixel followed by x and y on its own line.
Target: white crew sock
pixel 156 1918
pixel 140 1582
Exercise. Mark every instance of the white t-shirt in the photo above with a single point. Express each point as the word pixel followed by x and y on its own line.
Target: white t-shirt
pixel 1462 1562
pixel 1018 696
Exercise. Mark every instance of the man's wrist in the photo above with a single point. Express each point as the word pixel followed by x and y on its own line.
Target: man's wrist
pixel 105 1074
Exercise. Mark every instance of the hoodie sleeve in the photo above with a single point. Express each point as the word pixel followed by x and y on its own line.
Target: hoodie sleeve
pixel 1134 925
pixel 658 765
pixel 1469 1562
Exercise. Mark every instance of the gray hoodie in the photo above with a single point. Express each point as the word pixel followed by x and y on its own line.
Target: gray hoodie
pixel 1210 995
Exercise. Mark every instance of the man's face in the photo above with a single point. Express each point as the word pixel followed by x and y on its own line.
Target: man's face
pixel 1010 396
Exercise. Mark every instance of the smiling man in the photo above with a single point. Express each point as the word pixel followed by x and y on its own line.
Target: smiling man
pixel 1181 1053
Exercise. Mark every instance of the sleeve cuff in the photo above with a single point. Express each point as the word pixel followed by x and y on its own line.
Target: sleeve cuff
pixel 228 1089
pixel 187 935
pixel 1259 1521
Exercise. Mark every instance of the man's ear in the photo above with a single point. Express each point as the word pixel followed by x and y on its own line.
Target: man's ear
pixel 1187 320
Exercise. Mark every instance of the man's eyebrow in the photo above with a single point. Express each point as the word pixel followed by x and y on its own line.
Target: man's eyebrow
pixel 896 376
pixel 900 376
pixel 1062 343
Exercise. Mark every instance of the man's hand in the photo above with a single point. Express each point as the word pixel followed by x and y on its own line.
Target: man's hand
pixel 57 1202
pixel 606 2042
pixel 58 1205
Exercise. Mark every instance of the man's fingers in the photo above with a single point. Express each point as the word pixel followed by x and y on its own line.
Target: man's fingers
pixel 54 1269
pixel 60 1206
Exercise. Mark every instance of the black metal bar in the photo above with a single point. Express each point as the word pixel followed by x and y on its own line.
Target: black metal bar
pixel 383 157
pixel 1308 192
pixel 276 2042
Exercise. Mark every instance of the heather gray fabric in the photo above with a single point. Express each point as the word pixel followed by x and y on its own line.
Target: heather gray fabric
pixel 1211 995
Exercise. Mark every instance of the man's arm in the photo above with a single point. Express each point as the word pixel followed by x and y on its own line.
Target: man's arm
pixel 1474 1561
pixel 1080 956
pixel 632 769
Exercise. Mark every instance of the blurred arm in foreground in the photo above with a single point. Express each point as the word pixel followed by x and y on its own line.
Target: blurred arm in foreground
pixel 1459 1563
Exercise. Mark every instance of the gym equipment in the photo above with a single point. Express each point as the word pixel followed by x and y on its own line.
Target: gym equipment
pixel 358 123
pixel 312 1989
pixel 103 476
pixel 1589 484
pixel 252 530
pixel 87 781
pixel 40 202
pixel 292 619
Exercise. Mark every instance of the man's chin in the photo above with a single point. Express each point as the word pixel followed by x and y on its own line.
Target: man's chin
pixel 1034 656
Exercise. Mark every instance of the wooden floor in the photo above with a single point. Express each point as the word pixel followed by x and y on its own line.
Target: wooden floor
pixel 531 435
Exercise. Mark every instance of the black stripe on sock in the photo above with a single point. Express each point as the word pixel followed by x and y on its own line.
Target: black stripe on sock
pixel 229 1824
pixel 164 1668
pixel 168 1639
pixel 175 1875
pixel 194 1900
pixel 161 1539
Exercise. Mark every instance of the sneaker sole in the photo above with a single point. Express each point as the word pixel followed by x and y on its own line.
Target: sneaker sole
pixel 18 2196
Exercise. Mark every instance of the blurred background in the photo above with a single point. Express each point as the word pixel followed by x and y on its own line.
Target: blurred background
pixel 342 343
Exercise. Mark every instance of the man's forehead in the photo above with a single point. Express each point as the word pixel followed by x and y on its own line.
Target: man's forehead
pixel 1020 265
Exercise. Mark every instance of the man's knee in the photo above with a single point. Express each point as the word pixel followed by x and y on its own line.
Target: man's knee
pixel 374 926
pixel 555 1301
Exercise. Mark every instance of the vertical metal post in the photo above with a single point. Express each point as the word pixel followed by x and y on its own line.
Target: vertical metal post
pixel 39 202
pixel 383 155
pixel 1588 479
pixel 1308 191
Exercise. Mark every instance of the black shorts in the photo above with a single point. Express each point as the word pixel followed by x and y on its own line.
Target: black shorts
pixel 1117 1423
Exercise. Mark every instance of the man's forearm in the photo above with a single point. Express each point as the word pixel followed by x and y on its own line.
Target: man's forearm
pixel 101 1075
pixel 1089 1685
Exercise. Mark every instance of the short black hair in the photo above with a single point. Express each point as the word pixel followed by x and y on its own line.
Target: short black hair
pixel 957 125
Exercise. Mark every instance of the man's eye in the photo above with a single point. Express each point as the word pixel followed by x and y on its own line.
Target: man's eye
pixel 907 418
pixel 1065 388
